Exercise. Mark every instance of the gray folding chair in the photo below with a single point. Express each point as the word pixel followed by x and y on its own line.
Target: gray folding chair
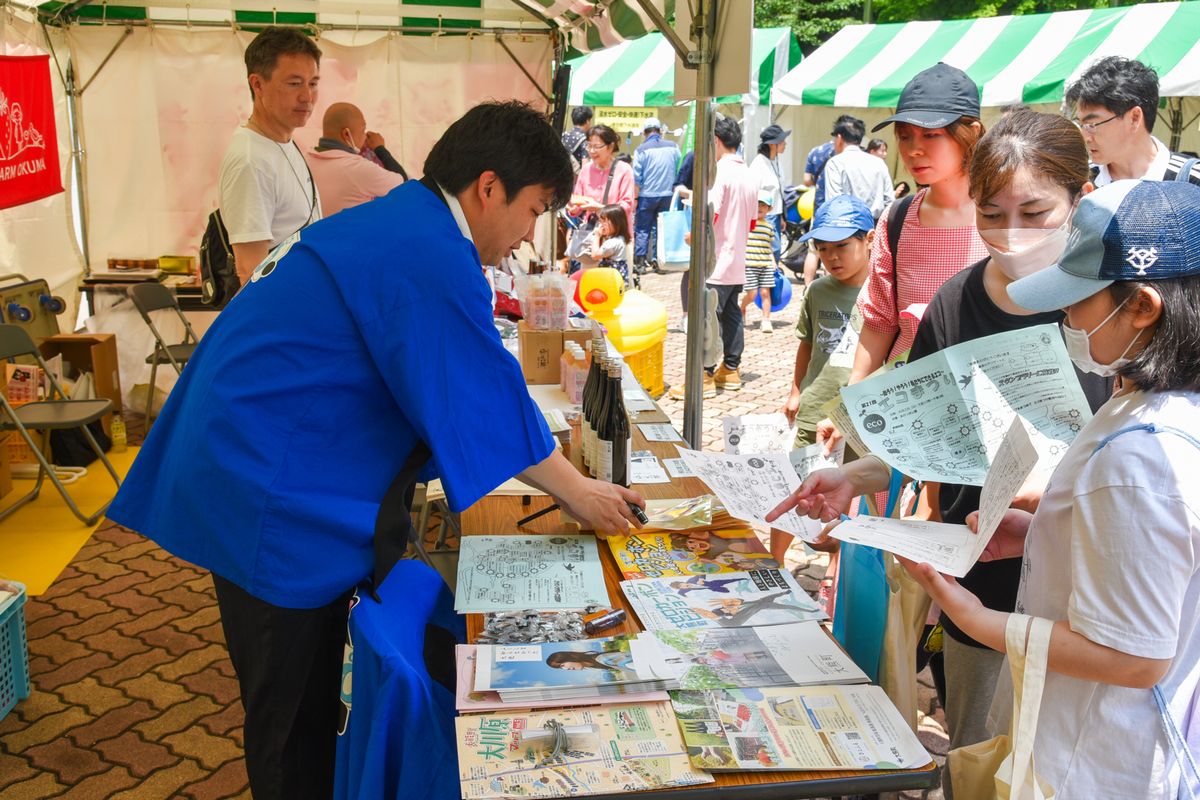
pixel 54 413
pixel 153 296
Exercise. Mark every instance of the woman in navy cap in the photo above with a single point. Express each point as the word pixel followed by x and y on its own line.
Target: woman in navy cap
pixel 765 166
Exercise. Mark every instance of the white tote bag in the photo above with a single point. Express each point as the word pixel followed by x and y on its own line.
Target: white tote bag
pixel 1003 768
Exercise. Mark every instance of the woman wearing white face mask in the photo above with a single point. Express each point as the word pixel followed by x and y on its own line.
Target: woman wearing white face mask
pixel 1026 177
pixel 1113 552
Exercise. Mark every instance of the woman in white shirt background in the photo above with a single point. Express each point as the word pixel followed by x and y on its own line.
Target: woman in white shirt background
pixel 765 167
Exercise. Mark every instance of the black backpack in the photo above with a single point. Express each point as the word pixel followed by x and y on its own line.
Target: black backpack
pixel 219 280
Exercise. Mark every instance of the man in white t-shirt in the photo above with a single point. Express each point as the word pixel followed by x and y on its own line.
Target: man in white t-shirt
pixel 854 171
pixel 265 191
pixel 1116 106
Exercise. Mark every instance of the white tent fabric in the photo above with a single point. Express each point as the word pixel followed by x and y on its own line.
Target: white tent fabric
pixel 159 115
pixel 156 119
pixel 34 238
pixel 1014 59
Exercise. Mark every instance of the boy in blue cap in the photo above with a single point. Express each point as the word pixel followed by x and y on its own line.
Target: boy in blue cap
pixel 842 232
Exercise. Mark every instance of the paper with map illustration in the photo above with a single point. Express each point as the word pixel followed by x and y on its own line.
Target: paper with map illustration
pixel 636 747
pixel 749 486
pixel 952 549
pixel 942 418
pixel 544 573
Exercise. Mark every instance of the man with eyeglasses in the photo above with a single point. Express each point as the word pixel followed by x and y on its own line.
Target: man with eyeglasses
pixel 1116 105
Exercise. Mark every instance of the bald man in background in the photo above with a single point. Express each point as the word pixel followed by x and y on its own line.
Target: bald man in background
pixel 345 175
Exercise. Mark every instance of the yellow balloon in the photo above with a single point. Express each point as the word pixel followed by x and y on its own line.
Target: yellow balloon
pixel 805 204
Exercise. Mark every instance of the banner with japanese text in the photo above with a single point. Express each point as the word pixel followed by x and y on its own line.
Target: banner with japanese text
pixel 28 145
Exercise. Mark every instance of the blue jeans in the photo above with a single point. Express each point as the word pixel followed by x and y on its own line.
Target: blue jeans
pixel 645 226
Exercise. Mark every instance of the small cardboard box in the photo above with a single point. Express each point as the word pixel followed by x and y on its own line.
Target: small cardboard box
pixel 541 352
pixel 90 352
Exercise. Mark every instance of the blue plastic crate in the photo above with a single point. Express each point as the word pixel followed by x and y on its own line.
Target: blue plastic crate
pixel 14 653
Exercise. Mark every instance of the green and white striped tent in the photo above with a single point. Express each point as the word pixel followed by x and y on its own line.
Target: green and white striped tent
pixel 1018 59
pixel 641 72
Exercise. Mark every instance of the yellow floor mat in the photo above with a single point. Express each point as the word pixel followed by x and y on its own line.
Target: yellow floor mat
pixel 40 539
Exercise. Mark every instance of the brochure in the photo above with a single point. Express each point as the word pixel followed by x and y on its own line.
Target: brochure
pixel 561 670
pixel 635 747
pixel 810 728
pixel 800 654
pixel 471 701
pixel 658 555
pixel 733 600
pixel 543 573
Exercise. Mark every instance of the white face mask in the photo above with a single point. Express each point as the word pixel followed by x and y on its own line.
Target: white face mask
pixel 1023 251
pixel 1081 352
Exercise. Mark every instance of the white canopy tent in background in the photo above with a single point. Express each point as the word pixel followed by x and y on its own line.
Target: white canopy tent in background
pixel 1015 59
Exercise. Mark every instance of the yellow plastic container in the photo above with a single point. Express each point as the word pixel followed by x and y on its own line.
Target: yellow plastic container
pixel 647 367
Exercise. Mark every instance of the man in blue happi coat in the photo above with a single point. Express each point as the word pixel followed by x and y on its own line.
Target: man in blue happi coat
pixel 360 347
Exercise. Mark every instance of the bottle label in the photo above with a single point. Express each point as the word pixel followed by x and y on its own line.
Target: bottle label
pixel 604 469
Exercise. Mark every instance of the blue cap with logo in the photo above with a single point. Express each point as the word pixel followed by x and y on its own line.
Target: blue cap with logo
pixel 840 218
pixel 1124 231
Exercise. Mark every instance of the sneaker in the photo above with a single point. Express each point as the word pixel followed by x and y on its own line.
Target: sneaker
pixel 728 379
pixel 683 323
pixel 709 388
pixel 766 326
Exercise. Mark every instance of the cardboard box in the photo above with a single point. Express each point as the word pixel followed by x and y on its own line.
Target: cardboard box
pixel 90 352
pixel 540 353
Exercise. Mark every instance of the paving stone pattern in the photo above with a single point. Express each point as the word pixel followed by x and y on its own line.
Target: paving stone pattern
pixel 134 697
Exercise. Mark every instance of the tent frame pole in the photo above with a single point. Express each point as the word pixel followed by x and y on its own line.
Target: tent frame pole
pixel 703 33
pixel 78 170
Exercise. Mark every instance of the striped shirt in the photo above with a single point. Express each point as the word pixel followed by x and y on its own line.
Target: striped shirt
pixel 928 257
pixel 758 247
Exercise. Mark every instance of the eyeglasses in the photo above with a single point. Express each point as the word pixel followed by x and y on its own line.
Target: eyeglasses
pixel 1090 127
pixel 594 146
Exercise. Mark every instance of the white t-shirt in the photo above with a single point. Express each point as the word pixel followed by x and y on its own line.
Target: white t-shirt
pixel 1114 549
pixel 265 191
pixel 1155 172
pixel 768 178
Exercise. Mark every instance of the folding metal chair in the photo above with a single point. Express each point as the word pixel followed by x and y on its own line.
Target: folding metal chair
pixel 153 296
pixel 49 415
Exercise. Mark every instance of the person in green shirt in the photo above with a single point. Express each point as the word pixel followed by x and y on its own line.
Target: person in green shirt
pixel 829 322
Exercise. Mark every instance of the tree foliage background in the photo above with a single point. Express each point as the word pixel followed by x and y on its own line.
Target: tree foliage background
pixel 814 21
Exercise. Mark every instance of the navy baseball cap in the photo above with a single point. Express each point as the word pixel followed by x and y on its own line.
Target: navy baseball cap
pixel 840 218
pixel 1124 231
pixel 936 97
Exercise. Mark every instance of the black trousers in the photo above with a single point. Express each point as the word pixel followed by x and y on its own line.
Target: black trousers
pixel 729 314
pixel 289 666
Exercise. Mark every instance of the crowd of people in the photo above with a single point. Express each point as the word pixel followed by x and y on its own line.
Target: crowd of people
pixel 1088 222
pixel 1092 224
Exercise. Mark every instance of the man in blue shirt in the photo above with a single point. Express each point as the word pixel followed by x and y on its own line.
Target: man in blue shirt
pixel 654 164
pixel 357 346
pixel 814 175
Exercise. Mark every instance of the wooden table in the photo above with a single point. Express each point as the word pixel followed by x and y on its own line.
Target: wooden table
pixel 499 515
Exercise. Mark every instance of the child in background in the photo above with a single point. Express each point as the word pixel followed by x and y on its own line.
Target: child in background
pixel 611 240
pixel 828 328
pixel 760 261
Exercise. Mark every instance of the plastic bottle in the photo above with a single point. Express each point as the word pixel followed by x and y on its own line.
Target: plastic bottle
pixel 118 434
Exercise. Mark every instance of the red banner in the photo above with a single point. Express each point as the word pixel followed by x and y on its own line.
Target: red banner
pixel 28 145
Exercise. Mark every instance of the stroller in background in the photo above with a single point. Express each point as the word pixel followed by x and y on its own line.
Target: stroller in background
pixel 794 226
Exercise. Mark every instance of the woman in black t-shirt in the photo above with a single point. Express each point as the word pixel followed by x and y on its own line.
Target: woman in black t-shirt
pixel 1027 176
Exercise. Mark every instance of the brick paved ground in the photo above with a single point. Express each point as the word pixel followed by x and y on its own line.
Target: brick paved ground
pixel 134 696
